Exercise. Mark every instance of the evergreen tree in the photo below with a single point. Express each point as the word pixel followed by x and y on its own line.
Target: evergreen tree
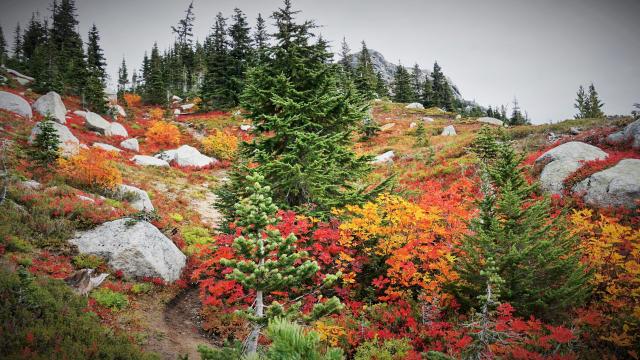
pixel 516 115
pixel 45 145
pixel 364 75
pixel 381 86
pixel 296 97
pixel 260 39
pixel 345 58
pixel 4 52
pixel 67 47
pixel 96 61
pixel 179 70
pixel 17 47
pixel 184 30
pixel 593 104
pixel 531 250
pixel 402 87
pixel 154 83
pixel 267 261
pixel 94 95
pixel 416 79
pixel 428 96
pixel 146 72
pixel 123 79
pixel 239 53
pixel 442 93
pixel 581 103
pixel 34 35
pixel 216 89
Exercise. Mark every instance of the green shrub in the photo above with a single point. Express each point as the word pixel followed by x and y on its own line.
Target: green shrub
pixel 87 261
pixel 176 217
pixel 17 244
pixel 395 349
pixel 141 288
pixel 44 318
pixel 110 299
pixel 195 235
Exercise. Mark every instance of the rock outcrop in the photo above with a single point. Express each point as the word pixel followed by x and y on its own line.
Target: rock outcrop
pixel 414 105
pixel 449 131
pixel 138 198
pixel 631 133
pixel 186 156
pixel 116 129
pixel 51 104
pixel 490 120
pixel 386 157
pixel 131 144
pixel 96 122
pixel 15 104
pixel 613 187
pixel 137 248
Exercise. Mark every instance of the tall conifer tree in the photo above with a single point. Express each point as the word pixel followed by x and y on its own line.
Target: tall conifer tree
pixel 216 89
pixel 154 88
pixel 4 52
pixel 96 60
pixel 594 105
pixel 239 53
pixel 402 87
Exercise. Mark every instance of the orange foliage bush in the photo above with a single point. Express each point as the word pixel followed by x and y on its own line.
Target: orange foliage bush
pixel 92 168
pixel 221 145
pixel 132 100
pixel 156 114
pixel 162 133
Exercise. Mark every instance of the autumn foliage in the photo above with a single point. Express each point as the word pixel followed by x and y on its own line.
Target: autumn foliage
pixel 221 145
pixel 163 134
pixel 91 168
pixel 132 100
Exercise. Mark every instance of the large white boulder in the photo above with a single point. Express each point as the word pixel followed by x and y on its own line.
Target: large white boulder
pixel 118 110
pixel 631 133
pixel 187 156
pixel 490 120
pixel 20 78
pixel 69 144
pixel 386 157
pixel 449 131
pixel 563 160
pixel 414 105
pixel 138 198
pixel 16 104
pixel 131 144
pixel 613 187
pixel 187 107
pixel 51 104
pixel 106 147
pixel 137 248
pixel 145 160
pixel 96 122
pixel 116 129
pixel 428 119
pixel 80 113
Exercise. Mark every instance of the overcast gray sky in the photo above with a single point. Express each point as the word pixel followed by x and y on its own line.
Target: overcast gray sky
pixel 538 51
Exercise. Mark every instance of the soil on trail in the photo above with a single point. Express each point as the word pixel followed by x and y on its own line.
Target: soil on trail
pixel 176 327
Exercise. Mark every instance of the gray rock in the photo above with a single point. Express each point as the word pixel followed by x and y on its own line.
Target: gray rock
pixel 69 144
pixel 80 113
pixel 21 78
pixel 563 160
pixel 630 133
pixel 186 107
pixel 414 105
pixel 177 112
pixel 106 147
pixel 131 144
pixel 51 104
pixel 386 157
pixel 116 129
pixel 176 98
pixel 96 122
pixel 613 187
pixel 387 127
pixel 490 120
pixel 245 127
pixel 187 156
pixel 145 160
pixel 30 184
pixel 16 104
pixel 141 201
pixel 137 248
pixel 575 131
pixel 427 119
pixel 449 131
pixel 458 117
pixel 412 125
pixel 118 110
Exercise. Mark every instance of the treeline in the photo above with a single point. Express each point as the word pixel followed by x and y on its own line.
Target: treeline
pixel 51 50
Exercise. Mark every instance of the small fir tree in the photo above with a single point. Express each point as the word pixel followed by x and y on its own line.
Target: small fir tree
pixel 364 75
pixel 416 78
pixel 154 82
pixel 17 47
pixel 516 115
pixel 123 79
pixel 594 105
pixel 260 39
pixel 402 88
pixel 428 96
pixel 381 86
pixel 45 145
pixel 345 58
pixel 581 103
pixel 95 55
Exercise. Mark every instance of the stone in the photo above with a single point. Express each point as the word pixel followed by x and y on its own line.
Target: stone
pixel 15 104
pixel 137 248
pixel 186 107
pixel 176 98
pixel 85 198
pixel 563 160
pixel 85 280
pixel 80 113
pixel 387 127
pixel 96 122
pixel 51 104
pixel 458 117
pixel 116 129
pixel 613 187
pixel 490 120
pixel 449 131
pixel 119 110
pixel 69 144
pixel 575 131
pixel 414 105
pixel 176 112
pixel 245 127
pixel 145 160
pixel 30 184
pixel 386 157
pixel 186 156
pixel 130 144
pixel 412 125
pixel 427 119
pixel 139 199
pixel 630 133
pixel 106 147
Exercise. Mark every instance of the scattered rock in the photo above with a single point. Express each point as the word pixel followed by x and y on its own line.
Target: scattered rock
pixel 140 201
pixel 563 160
pixel 427 119
pixel 85 198
pixel 414 105
pixel 51 104
pixel 412 125
pixel 245 127
pixel 131 144
pixel 387 127
pixel 137 248
pixel 80 113
pixel 613 187
pixel 384 158
pixel 16 104
pixel 85 280
pixel 187 156
pixel 458 117
pixel 106 147
pixel 176 112
pixel 119 110
pixel 630 133
pixel 20 78
pixel 176 98
pixel 186 107
pixel 490 120
pixel 69 144
pixel 96 122
pixel 116 129
pixel 30 184
pixel 575 131
pixel 145 160
pixel 449 131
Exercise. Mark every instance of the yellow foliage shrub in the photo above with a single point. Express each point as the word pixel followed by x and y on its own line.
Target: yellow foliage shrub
pixel 132 100
pixel 222 146
pixel 156 114
pixel 93 168
pixel 163 134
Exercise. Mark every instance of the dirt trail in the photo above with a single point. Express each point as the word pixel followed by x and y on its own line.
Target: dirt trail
pixel 176 327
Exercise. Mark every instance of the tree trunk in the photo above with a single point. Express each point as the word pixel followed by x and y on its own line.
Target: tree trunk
pixel 252 341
